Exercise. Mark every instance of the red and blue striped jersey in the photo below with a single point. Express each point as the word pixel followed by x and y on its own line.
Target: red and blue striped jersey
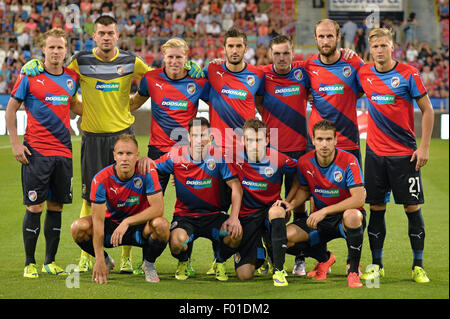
pixel 284 107
pixel 329 185
pixel 123 198
pixel 47 103
pixel 231 98
pixel 262 181
pixel 335 90
pixel 197 184
pixel 174 103
pixel 390 129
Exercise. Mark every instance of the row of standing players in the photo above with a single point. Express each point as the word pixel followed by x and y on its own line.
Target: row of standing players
pixel 232 90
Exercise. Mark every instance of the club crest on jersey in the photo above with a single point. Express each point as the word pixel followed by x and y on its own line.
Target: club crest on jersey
pixel 268 171
pixel 346 71
pixel 395 81
pixel 191 88
pixel 69 84
pixel 298 74
pixel 211 163
pixel 120 70
pixel 338 176
pixel 251 80
pixel 137 182
pixel 32 196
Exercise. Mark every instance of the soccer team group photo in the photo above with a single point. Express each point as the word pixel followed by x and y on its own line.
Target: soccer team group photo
pixel 224 149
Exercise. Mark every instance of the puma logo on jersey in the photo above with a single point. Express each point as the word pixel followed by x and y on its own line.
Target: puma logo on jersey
pixel 159 85
pixel 369 80
pixel 185 166
pixel 316 72
pixel 114 190
pixel 40 81
pixel 310 173
pixel 220 73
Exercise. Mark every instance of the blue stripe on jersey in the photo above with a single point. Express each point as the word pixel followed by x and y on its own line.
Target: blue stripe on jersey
pixel 166 122
pixel 250 201
pixel 182 87
pixel 285 114
pixel 391 129
pixel 336 70
pixel 192 202
pixel 327 111
pixel 386 78
pixel 225 111
pixel 61 81
pixel 48 119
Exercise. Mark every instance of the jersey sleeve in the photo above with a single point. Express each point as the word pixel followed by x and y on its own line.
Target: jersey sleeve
pixel 165 164
pixel 140 68
pixel 21 88
pixel 416 87
pixel 98 192
pixel 226 172
pixel 301 179
pixel 152 185
pixel 262 85
pixel 143 86
pixel 289 165
pixel 354 174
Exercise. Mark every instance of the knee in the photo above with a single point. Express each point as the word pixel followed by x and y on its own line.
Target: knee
pixel 276 212
pixel 80 230
pixel 353 218
pixel 36 208
pixel 177 239
pixel 244 274
pixel 161 229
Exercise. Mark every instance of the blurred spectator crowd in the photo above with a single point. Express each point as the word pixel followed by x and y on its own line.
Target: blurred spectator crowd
pixel 144 25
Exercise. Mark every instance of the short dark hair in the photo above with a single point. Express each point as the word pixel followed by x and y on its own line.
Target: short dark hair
pixel 280 38
pixel 234 33
pixel 254 124
pixel 324 125
pixel 104 20
pixel 126 138
pixel 198 120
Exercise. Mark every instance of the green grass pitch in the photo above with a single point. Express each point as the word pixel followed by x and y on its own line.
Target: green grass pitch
pixel 397 252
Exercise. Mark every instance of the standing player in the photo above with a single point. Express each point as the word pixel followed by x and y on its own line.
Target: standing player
pixel 283 107
pixel 334 179
pixel 260 169
pixel 393 160
pixel 233 87
pixel 199 173
pixel 335 88
pixel 134 213
pixel 174 98
pixel 46 154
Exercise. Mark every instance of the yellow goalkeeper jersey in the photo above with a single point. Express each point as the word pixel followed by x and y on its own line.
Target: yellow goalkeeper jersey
pixel 105 89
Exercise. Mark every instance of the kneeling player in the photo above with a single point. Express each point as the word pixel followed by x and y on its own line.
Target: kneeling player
pixel 127 209
pixel 333 178
pixel 261 171
pixel 199 173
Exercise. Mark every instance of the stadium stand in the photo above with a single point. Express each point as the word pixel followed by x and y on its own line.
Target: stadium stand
pixel 144 25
